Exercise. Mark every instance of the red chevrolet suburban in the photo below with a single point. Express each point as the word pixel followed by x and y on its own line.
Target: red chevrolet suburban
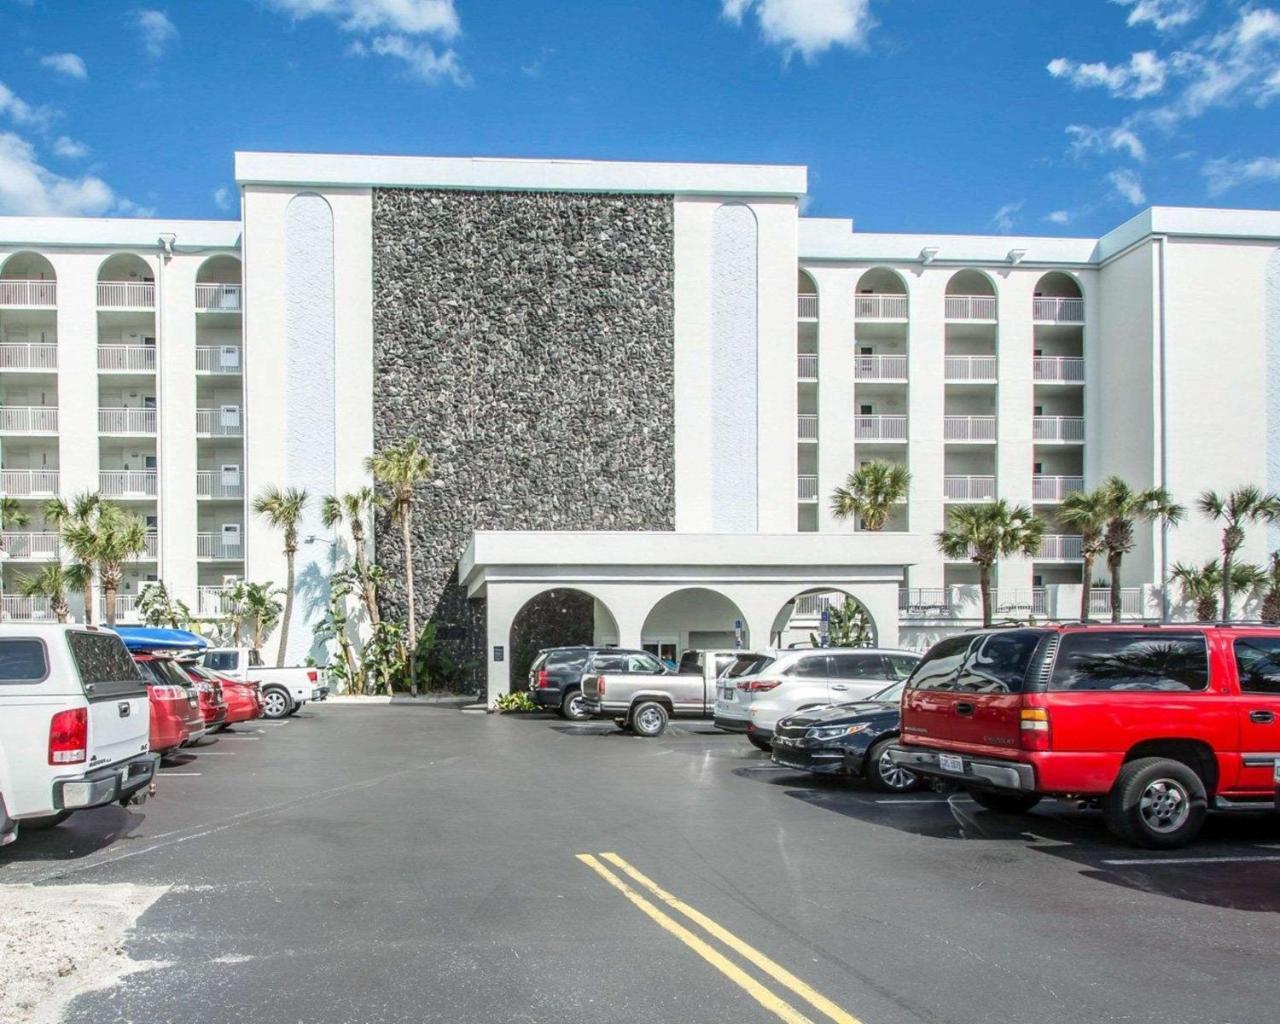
pixel 1156 724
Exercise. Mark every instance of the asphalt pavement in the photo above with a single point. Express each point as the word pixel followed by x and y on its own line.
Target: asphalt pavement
pixel 394 864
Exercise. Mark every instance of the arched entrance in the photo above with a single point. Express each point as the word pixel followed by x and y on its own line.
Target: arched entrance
pixel 559 617
pixel 799 620
pixel 693 618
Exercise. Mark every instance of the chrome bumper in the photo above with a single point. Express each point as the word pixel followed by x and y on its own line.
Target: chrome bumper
pixel 1000 774
pixel 106 785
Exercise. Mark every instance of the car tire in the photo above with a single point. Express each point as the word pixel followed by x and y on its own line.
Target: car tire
pixel 42 823
pixel 760 743
pixel 885 776
pixel 1004 803
pixel 1156 802
pixel 572 707
pixel 276 702
pixel 649 719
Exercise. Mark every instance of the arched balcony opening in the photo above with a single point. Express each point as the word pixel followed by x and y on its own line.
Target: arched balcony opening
pixel 28 280
pixel 1057 299
pixel 881 295
pixel 806 296
pixel 126 281
pixel 971 295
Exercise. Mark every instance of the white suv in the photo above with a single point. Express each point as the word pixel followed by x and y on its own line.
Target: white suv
pixel 805 678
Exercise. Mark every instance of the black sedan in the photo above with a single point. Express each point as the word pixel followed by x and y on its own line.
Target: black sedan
pixel 847 739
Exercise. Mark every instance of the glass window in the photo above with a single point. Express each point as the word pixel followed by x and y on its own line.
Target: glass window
pixel 1137 661
pixel 255 659
pixel 221 661
pixel 999 663
pixel 724 662
pixel 938 669
pixel 891 694
pixel 569 661
pixel 815 666
pixel 902 664
pixel 690 663
pixel 22 661
pixel 609 663
pixel 749 665
pixel 858 666
pixel 645 664
pixel 1258 661
pixel 104 664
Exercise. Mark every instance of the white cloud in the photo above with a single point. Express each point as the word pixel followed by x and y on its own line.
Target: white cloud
pixel 1222 175
pixel 27 188
pixel 1058 217
pixel 68 64
pixel 422 60
pixel 1005 217
pixel 23 113
pixel 806 27
pixel 1143 76
pixel 222 197
pixel 1128 185
pixel 1086 140
pixel 1162 15
pixel 69 149
pixel 156 31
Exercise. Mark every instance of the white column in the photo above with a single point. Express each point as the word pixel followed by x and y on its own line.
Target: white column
pixel 1014 407
pixel 836 409
pixel 926 399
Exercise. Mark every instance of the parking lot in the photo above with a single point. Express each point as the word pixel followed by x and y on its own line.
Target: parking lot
pixel 420 864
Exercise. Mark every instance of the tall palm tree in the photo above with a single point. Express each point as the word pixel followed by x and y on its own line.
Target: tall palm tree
pixel 80 512
pixel 110 539
pixel 1127 507
pixel 402 469
pixel 1271 596
pixel 54 582
pixel 261 606
pixel 1087 512
pixel 986 533
pixel 870 492
pixel 352 508
pixel 283 509
pixel 1201 584
pixel 11 514
pixel 1245 505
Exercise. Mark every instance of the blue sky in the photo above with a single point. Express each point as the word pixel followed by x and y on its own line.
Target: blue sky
pixel 1035 116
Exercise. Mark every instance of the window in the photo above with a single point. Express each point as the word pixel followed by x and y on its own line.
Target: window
pixel 572 661
pixel 1258 662
pixel 690 663
pixel 22 661
pixel 749 665
pixel 939 668
pixel 1146 661
pixel 220 661
pixel 105 667
pixel 902 664
pixel 815 666
pixel 858 666
pixel 999 663
pixel 609 663
pixel 724 662
pixel 645 664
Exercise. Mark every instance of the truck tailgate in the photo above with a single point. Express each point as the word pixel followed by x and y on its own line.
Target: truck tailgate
pixel 119 727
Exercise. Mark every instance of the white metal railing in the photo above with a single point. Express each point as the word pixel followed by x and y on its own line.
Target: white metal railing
pixel 31 544
pixel 811 606
pixel 218 359
pixel 1057 428
pixel 214 545
pixel 218 423
pixel 807 366
pixel 880 307
pixel 140 358
pixel 28 356
pixel 212 601
pixel 806 488
pixel 969 488
pixel 29 419
pixel 1054 488
pixel 1130 601
pixel 128 483
pixel 19 292
pixel 807 426
pixel 891 427
pixel 969 367
pixel 1056 310
pixel 1061 546
pixel 1068 369
pixel 29 482
pixel 127 294
pixel 213 483
pixel 923 602
pixel 886 367
pixel 126 421
pixel 27 609
pixel 970 307
pixel 126 606
pixel 807 306
pixel 1013 603
pixel 152 548
pixel 217 296
pixel 968 428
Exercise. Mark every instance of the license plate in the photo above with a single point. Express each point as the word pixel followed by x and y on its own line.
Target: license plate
pixel 783 741
pixel 727 695
pixel 951 763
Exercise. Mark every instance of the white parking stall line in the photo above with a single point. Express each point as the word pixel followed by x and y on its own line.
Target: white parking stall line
pixel 1165 861
pixel 212 753
pixel 236 736
pixel 178 775
pixel 909 800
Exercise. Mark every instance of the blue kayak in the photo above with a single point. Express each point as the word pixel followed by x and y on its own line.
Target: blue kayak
pixel 150 638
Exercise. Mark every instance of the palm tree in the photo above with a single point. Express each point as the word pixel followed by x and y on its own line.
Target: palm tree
pixel 1271 597
pixel 259 603
pixel 1087 512
pixel 282 509
pixel 1126 507
pixel 11 514
pixel 79 513
pixel 53 582
pixel 1201 584
pixel 869 494
pixel 352 508
pixel 985 533
pixel 402 468
pixel 110 539
pixel 1242 506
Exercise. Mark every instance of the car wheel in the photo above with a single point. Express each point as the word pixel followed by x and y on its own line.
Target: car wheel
pixel 1156 803
pixel 275 703
pixel 1005 803
pixel 760 743
pixel 648 719
pixel 47 821
pixel 882 774
pixel 573 706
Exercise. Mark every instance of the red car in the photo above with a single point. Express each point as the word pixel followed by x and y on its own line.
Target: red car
pixel 175 708
pixel 1155 725
pixel 241 703
pixel 213 706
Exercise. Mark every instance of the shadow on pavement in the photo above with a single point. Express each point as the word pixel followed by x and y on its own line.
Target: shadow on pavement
pixel 80 835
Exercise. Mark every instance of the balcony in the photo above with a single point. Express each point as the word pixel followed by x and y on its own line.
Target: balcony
pixel 31 546
pixel 970 307
pixel 29 419
pixel 219 298
pixel 884 306
pixel 807 488
pixel 962 369
pixel 1058 370
pixel 1131 602
pixel 219 359
pixel 923 602
pixel 885 368
pixel 126 295
pixel 29 483
pixel 979 429
pixel 127 358
pixel 969 488
pixel 128 483
pixel 1054 488
pixel 807 306
pixel 807 366
pixel 1057 310
pixel 219 422
pixel 1059 429
pixel 892 428
pixel 1060 547
pixel 126 607
pixel 213 483
pixel 39 357
pixel 151 551
pixel 28 609
pixel 120 420
pixel 1007 603
pixel 215 547
pixel 17 292
pixel 212 601
pixel 807 427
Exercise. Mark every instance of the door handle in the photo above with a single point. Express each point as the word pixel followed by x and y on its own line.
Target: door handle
pixel 1262 717
pixel 964 708
pixel 839 686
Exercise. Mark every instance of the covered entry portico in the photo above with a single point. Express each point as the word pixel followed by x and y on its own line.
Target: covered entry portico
pixel 632 576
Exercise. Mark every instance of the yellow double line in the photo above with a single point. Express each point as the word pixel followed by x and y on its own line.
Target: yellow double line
pixel 763 995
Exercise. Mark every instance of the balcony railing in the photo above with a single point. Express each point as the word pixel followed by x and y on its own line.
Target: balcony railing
pixel 29 419
pixel 1054 488
pixel 214 296
pixel 811 606
pixel 1054 310
pixel 962 368
pixel 807 426
pixel 807 306
pixel 29 483
pixel 127 294
pixel 969 488
pixel 27 609
pixel 1130 601
pixel 880 307
pixel 128 483
pixel 887 367
pixel 807 366
pixel 1060 547
pixel 923 602
pixel 213 483
pixel 32 545
pixel 18 292
pixel 218 359
pixel 126 421
pixel 126 607
pixel 126 358
pixel 880 428
pixel 218 423
pixel 970 307
pixel 1063 369
pixel 28 356
pixel 1012 603
pixel 212 601
pixel 152 549
pixel 806 488
pixel 968 428
pixel 1058 428
pixel 215 546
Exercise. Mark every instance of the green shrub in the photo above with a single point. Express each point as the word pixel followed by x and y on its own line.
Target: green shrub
pixel 520 701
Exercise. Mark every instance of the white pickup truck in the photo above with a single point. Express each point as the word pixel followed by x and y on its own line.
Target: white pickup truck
pixel 283 690
pixel 74 725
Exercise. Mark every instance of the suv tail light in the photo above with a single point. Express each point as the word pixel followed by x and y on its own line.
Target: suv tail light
pixel 759 685
pixel 544 680
pixel 600 685
pixel 69 737
pixel 312 675
pixel 1033 728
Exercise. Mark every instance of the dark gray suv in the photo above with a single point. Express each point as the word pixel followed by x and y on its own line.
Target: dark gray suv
pixel 555 677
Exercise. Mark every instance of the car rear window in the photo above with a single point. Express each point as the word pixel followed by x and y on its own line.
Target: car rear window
pixel 690 663
pixel 998 662
pixel 105 667
pixel 1258 661
pixel 940 666
pixel 23 660
pixel 220 661
pixel 749 665
pixel 1136 661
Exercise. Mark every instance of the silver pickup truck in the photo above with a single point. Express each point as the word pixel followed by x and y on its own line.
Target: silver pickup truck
pixel 643 703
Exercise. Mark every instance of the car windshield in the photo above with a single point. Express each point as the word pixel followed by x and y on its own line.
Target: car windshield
pixel 891 694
